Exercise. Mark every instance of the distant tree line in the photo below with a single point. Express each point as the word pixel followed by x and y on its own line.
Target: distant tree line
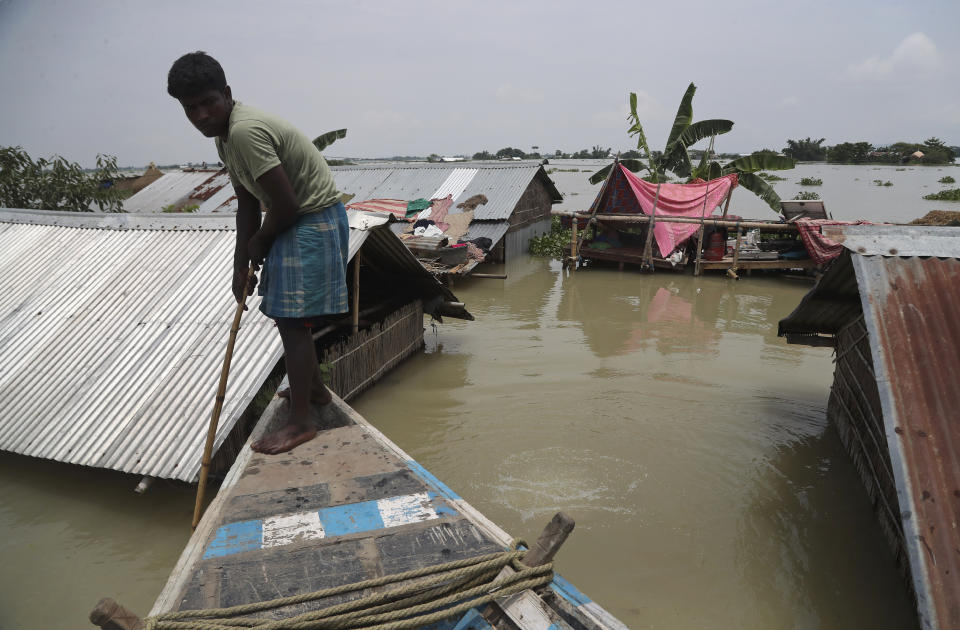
pixel 933 149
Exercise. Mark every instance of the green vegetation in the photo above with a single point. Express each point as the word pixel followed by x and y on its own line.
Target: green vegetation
pixel 57 184
pixel 947 180
pixel 676 157
pixel 770 177
pixel 950 194
pixel 880 182
pixel 175 208
pixel 325 140
pixel 552 243
pixel 810 181
pixel 806 195
pixel 807 150
pixel 933 149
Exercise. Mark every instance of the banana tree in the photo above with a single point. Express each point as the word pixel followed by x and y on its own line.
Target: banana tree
pixel 324 141
pixel 676 158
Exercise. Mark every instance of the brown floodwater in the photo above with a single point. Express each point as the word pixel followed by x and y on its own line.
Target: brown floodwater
pixel 660 411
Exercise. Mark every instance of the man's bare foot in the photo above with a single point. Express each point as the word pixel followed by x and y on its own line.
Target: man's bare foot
pixel 322 397
pixel 282 440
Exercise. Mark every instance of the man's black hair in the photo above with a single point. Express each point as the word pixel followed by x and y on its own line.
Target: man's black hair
pixel 193 74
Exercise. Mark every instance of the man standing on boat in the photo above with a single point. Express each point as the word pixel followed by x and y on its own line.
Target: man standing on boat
pixel 303 240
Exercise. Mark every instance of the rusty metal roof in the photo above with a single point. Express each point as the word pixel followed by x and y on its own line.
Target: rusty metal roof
pixel 113 329
pixel 907 281
pixel 175 187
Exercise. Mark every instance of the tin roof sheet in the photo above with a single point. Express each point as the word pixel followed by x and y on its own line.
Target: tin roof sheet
pixel 175 187
pixel 502 184
pixel 910 307
pixel 906 282
pixel 113 329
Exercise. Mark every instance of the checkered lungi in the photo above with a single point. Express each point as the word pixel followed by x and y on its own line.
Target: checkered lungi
pixel 305 273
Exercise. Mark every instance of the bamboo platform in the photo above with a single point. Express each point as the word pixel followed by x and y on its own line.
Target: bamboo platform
pixel 345 507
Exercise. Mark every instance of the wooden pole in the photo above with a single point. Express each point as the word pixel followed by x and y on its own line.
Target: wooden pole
pixel 110 615
pixel 218 406
pixel 640 218
pixel 573 244
pixel 648 246
pixel 356 293
pixel 727 205
pixel 703 213
pixel 732 271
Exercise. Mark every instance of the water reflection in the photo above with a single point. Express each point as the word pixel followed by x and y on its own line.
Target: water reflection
pixel 808 543
pixel 625 312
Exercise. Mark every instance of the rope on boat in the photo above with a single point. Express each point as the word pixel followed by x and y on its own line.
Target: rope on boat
pixel 446 590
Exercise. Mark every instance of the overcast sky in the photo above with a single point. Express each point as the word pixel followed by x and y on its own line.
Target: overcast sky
pixel 412 77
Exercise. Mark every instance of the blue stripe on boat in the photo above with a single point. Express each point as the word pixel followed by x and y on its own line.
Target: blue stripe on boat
pixel 430 480
pixel 236 538
pixel 351 519
pixel 568 591
pixel 339 520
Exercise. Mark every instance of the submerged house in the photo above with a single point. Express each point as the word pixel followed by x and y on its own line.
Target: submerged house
pixel 113 329
pixel 510 203
pixel 889 306
pixel 506 203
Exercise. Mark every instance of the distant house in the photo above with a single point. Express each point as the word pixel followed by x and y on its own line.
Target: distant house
pixel 519 197
pixel 888 306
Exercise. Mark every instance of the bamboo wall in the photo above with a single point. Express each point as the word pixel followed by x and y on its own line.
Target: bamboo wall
pixel 854 408
pixel 358 361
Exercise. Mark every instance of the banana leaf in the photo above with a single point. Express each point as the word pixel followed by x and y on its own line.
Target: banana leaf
pixel 324 141
pixel 632 165
pixel 683 118
pixel 760 188
pixel 759 162
pixel 704 129
pixel 636 129
pixel 678 161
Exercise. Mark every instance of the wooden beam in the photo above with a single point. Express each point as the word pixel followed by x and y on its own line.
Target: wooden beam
pixel 110 615
pixel 355 308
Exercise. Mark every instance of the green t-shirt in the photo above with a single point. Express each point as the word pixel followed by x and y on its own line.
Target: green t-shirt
pixel 257 142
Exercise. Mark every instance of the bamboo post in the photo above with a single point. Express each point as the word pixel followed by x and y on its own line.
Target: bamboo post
pixel 648 246
pixel 732 271
pixel 356 293
pixel 110 615
pixel 703 213
pixel 218 405
pixel 573 243
pixel 727 205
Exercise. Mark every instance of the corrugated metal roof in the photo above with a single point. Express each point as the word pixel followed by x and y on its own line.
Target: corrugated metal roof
pixel 175 187
pixel 494 230
pixel 907 285
pixel 910 308
pixel 502 184
pixel 113 330
pixel 902 240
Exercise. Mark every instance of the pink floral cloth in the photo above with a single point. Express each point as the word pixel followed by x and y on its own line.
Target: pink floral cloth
pixel 679 200
pixel 821 248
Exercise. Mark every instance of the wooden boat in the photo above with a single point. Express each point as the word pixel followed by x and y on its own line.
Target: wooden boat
pixel 343 508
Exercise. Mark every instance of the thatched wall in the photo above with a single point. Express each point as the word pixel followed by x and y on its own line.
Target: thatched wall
pixel 854 407
pixel 358 361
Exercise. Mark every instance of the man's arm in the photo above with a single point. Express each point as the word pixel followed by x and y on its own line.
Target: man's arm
pixel 248 222
pixel 282 213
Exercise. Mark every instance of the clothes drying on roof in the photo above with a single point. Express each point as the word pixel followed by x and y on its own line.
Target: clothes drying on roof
pixel 821 248
pixel 396 207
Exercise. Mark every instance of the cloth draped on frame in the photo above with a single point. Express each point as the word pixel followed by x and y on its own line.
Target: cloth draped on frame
pixel 305 273
pixel 679 200
pixel 821 248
